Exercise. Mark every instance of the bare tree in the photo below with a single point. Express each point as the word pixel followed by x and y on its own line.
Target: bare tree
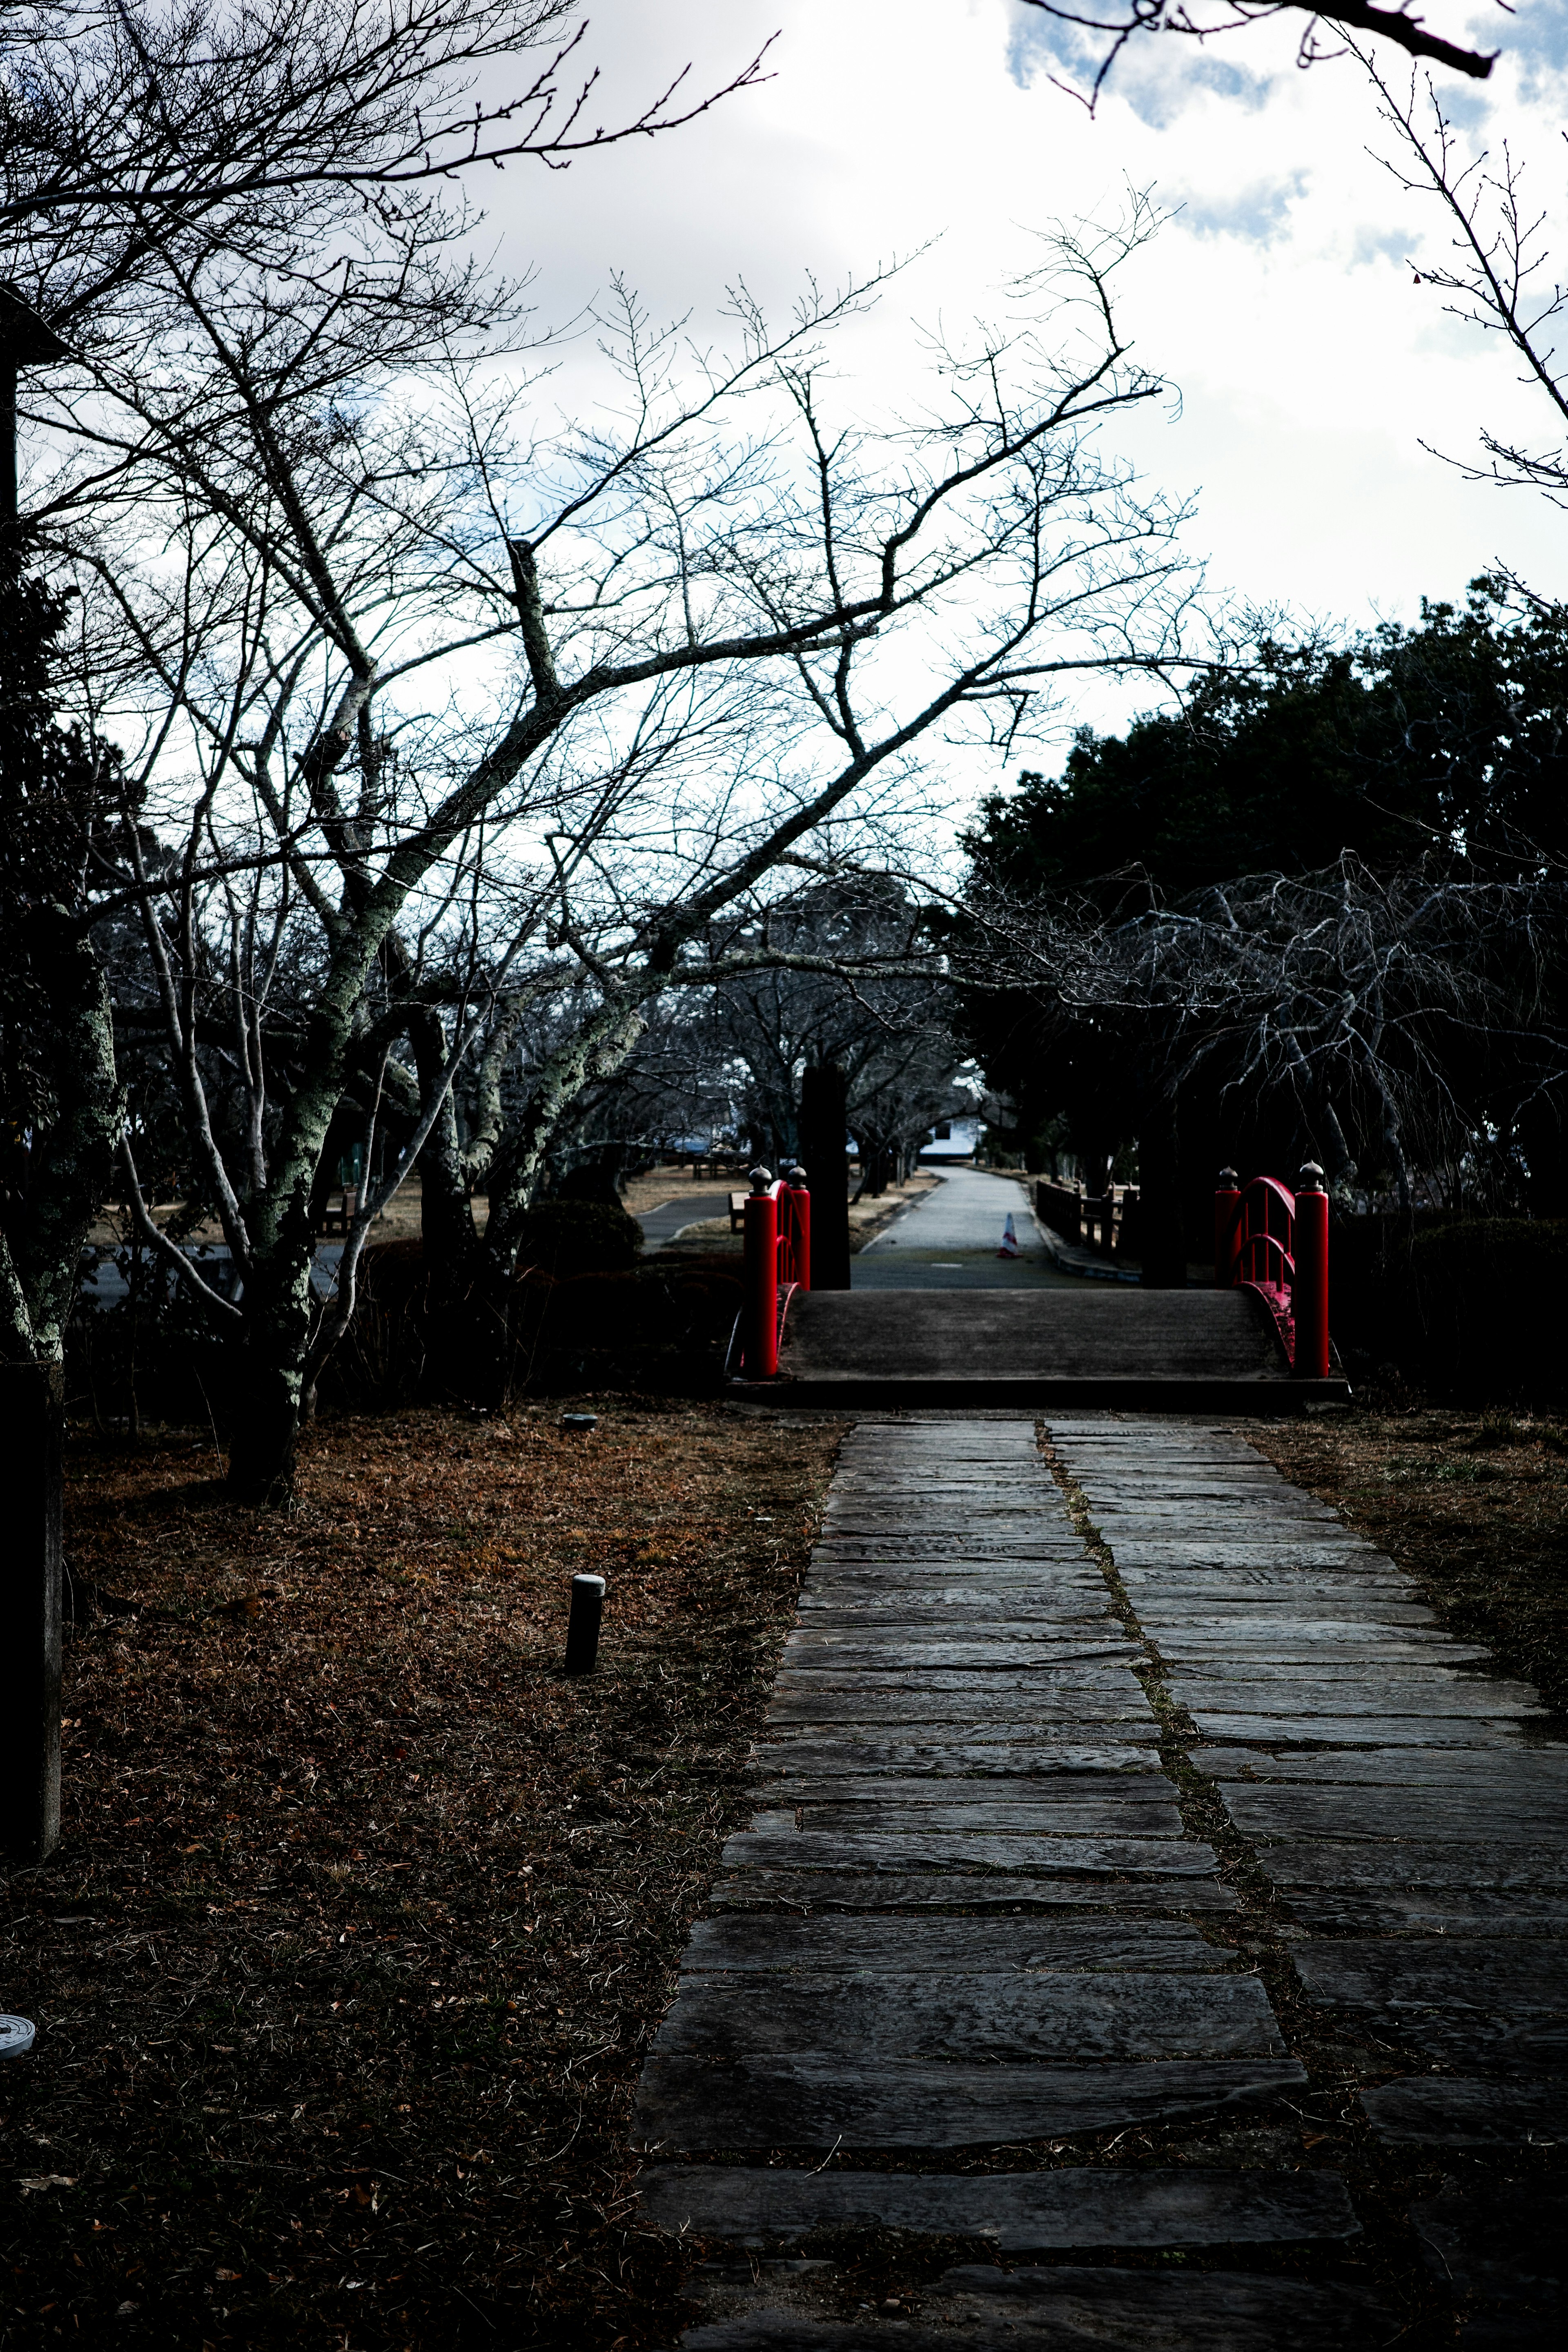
pixel 1388 1023
pixel 878 1007
pixel 122 125
pixel 1116 26
pixel 1500 277
pixel 148 154
pixel 480 716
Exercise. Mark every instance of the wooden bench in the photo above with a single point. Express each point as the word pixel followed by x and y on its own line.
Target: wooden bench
pixel 341 1219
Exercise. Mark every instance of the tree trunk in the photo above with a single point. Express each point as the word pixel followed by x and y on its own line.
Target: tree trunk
pixel 1161 1224
pixel 596 1051
pixel 465 1343
pixel 32 1410
pixel 824 1091
pixel 271 1353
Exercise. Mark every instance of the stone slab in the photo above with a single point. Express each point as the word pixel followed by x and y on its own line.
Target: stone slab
pixel 761 1944
pixel 1002 1654
pixel 1327 1657
pixel 1074 2309
pixel 1435 1911
pixel 1447 2111
pixel 1269 1595
pixel 876 1815
pixel 1347 1730
pixel 818 2101
pixel 1138 1550
pixel 1014 2014
pixel 1003 1651
pixel 838 1890
pixel 1121 1795
pixel 1520 1816
pixel 1373 1677
pixel 1186 2205
pixel 1389 1862
pixel 971 1714
pixel 979 1550
pixel 918 1850
pixel 1024 1675
pixel 1125 1754
pixel 1506 1770
pixel 1431 1973
pixel 1385 1696
pixel 899 1612
pixel 1514 2048
pixel 1343 1613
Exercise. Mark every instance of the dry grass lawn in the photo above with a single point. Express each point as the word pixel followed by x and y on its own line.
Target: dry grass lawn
pixel 1474 1505
pixel 363 1912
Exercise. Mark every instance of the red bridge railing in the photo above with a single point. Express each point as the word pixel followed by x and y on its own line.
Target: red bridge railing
pixel 777 1261
pixel 1275 1241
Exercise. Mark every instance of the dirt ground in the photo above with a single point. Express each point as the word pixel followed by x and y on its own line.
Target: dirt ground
pixel 363 1911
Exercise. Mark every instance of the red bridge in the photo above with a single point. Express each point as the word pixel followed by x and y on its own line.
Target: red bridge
pixel 1256 1339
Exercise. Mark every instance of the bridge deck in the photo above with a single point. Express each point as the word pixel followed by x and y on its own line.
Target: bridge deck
pixel 1100 1344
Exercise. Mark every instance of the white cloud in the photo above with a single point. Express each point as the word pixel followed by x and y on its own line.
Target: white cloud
pixel 1310 366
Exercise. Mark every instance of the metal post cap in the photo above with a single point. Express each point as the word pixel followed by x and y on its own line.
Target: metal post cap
pixel 796 1175
pixel 1310 1179
pixel 760 1178
pixel 1229 1178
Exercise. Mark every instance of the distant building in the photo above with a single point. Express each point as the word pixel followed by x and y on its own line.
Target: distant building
pixel 952 1139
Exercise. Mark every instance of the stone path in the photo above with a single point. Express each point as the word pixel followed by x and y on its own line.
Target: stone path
pixel 1147 1811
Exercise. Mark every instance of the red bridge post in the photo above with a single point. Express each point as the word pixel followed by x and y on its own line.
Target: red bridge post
pixel 759 1348
pixel 1226 1229
pixel 1309 1290
pixel 798 1198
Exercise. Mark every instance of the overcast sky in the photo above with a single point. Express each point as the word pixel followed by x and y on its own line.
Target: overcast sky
pixel 1310 366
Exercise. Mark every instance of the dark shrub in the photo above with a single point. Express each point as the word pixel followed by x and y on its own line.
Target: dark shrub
pixel 1486 1299
pixel 662 1327
pixel 580 1237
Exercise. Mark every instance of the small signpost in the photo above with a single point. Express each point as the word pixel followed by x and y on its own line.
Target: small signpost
pixel 582 1625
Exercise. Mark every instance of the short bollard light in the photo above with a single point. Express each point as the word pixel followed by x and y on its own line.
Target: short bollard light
pixel 582 1625
pixel 580 1420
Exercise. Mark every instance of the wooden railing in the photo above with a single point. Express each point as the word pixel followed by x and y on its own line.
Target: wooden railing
pixel 1275 1241
pixel 1105 1223
pixel 778 1224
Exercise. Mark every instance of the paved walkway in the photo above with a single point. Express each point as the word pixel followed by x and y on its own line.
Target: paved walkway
pixel 1138 1871
pixel 671 1218
pixel 949 1240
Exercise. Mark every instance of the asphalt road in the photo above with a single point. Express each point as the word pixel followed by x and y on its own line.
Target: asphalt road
pixel 949 1241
